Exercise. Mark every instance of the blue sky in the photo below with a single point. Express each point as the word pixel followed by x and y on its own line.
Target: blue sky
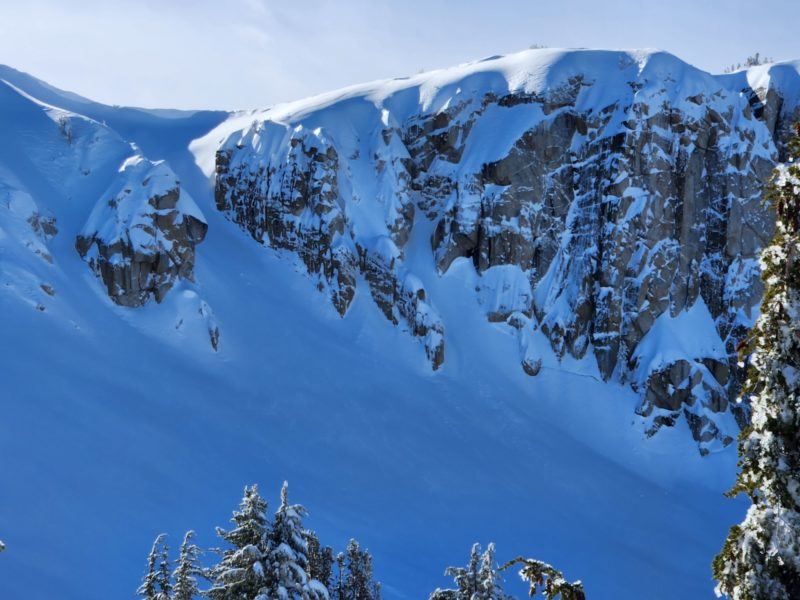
pixel 252 53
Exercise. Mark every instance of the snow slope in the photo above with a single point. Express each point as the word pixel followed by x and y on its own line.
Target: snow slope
pixel 120 423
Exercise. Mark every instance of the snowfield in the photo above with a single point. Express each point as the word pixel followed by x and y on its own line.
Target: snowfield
pixel 117 424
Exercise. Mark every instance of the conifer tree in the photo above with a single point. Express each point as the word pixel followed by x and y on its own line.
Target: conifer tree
pixel 479 580
pixel 156 582
pixel 466 579
pixel 287 559
pixel 339 590
pixel 241 574
pixel 545 578
pixel 490 580
pixel 761 556
pixel 358 582
pixel 164 575
pixel 320 559
pixel 147 589
pixel 187 570
pixel 265 560
pixel 354 578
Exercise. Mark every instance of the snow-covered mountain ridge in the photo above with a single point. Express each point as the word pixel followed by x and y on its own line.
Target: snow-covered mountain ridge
pixel 609 201
pixel 120 419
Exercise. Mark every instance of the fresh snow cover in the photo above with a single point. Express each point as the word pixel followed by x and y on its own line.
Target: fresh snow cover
pixel 781 75
pixel 124 206
pixel 689 333
pixel 119 423
pixel 530 71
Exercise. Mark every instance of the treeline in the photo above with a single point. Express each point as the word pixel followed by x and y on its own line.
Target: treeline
pixel 481 580
pixel 278 559
pixel 751 61
pixel 263 559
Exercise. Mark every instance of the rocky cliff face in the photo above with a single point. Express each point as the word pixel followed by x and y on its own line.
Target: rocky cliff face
pixel 295 201
pixel 141 236
pixel 609 201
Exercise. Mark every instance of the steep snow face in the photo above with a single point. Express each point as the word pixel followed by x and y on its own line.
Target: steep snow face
pixel 597 195
pixel 49 157
pixel 119 423
pixel 58 168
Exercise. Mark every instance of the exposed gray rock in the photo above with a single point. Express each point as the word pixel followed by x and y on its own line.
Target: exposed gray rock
pixel 141 236
pixel 402 298
pixel 613 207
pixel 294 202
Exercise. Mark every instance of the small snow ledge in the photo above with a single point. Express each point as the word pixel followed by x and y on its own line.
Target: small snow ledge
pixel 691 334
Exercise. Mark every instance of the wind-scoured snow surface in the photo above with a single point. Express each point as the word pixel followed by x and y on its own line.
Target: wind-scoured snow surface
pixel 118 423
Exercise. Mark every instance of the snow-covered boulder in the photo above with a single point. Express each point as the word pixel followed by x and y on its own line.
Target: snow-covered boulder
pixel 141 235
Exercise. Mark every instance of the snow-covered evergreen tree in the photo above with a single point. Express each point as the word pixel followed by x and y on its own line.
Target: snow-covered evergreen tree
pixel 354 578
pixel 241 574
pixel 338 589
pixel 761 556
pixel 156 583
pixel 147 589
pixel 164 575
pixel 489 580
pixel 466 579
pixel 187 570
pixel 545 578
pixel 287 560
pixel 358 582
pixel 479 580
pixel 320 559
pixel 265 560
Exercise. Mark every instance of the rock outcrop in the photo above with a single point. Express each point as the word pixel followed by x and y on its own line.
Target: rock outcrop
pixel 294 200
pixel 141 235
pixel 610 202
pixel 26 231
pixel 25 223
